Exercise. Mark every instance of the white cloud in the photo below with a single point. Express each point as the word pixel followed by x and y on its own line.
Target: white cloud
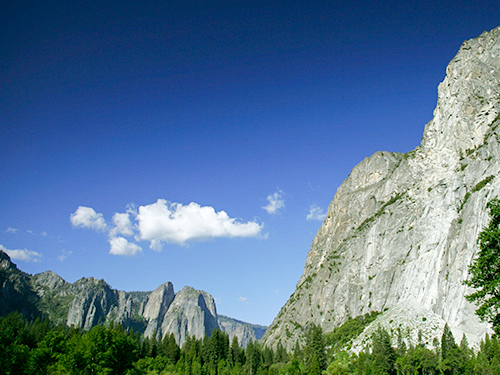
pixel 244 300
pixel 315 213
pixel 12 230
pixel 276 202
pixel 122 225
pixel 26 255
pixel 64 255
pixel 86 217
pixel 120 246
pixel 176 223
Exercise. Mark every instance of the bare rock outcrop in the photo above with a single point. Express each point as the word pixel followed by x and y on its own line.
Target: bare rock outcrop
pixel 402 228
pixel 89 302
pixel 95 303
pixel 192 313
pixel 156 307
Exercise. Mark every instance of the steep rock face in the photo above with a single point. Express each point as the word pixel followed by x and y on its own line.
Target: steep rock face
pixel 47 281
pixel 95 302
pixel 156 307
pixel 83 304
pixel 402 228
pixel 192 313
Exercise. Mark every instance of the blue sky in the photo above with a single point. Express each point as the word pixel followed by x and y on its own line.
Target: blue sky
pixel 200 142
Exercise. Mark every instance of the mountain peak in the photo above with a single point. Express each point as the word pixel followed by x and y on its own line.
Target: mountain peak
pixel 402 228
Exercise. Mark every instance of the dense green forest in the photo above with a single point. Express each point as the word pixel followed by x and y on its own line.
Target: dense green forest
pixel 39 347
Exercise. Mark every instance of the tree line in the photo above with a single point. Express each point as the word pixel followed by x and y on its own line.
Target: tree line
pixel 40 347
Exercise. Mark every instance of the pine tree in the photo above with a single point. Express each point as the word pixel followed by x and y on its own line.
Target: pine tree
pixel 237 354
pixel 485 270
pixel 464 347
pixel 447 342
pixel 253 357
pixel 297 352
pixel 383 354
pixel 315 345
pixel 281 354
pixel 170 349
pixel 314 368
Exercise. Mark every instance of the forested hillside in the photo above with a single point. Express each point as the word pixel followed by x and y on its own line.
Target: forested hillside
pixel 40 347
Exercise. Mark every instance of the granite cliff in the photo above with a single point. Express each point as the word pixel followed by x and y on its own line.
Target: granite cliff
pixel 402 228
pixel 89 302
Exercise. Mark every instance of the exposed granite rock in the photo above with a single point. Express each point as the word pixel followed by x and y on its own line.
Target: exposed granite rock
pixel 402 228
pixel 192 313
pixel 47 281
pixel 89 302
pixel 156 307
pixel 93 302
pixel 412 323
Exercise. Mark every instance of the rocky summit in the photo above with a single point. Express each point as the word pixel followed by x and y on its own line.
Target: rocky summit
pixel 402 228
pixel 89 302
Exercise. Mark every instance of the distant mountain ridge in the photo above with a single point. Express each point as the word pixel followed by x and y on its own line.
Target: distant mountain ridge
pixel 89 302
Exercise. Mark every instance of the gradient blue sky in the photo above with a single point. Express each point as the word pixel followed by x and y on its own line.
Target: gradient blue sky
pixel 254 111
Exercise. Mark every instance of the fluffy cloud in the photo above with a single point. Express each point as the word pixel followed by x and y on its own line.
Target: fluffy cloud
pixel 276 202
pixel 122 225
pixel 25 255
pixel 176 223
pixel 315 213
pixel 163 222
pixel 120 246
pixel 86 217
pixel 244 300
pixel 12 230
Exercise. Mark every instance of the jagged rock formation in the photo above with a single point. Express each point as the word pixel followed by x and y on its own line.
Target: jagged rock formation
pixel 89 302
pixel 95 302
pixel 156 307
pixel 402 228
pixel 192 313
pixel 47 281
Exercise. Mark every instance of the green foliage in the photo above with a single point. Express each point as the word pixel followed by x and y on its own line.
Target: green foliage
pixel 410 154
pixel 341 337
pixel 381 211
pixel 56 306
pixel 315 349
pixel 447 342
pixel 485 270
pixel 253 358
pixel 306 283
pixel 383 354
pixel 39 347
pixel 482 183
pixel 100 350
pixel 418 360
pixel 466 198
